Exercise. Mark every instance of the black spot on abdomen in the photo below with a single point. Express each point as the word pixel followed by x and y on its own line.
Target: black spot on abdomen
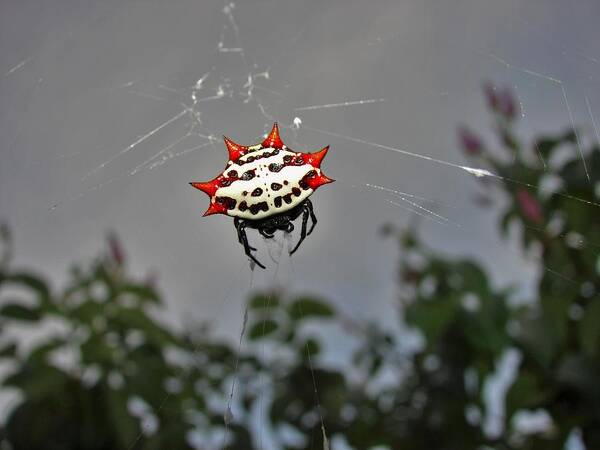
pixel 275 167
pixel 248 175
pixel 257 192
pixel 256 208
pixel 228 202
pixel 276 186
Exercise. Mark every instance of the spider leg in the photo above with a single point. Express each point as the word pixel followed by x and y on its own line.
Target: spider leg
pixel 289 227
pixel 313 218
pixel 265 234
pixel 241 227
pixel 236 223
pixel 305 215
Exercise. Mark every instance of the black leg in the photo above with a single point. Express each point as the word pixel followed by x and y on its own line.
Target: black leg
pixel 236 222
pixel 267 234
pixel 289 227
pixel 305 215
pixel 241 227
pixel 313 218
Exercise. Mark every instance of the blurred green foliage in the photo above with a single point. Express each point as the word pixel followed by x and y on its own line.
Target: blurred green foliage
pixel 108 374
pixel 126 380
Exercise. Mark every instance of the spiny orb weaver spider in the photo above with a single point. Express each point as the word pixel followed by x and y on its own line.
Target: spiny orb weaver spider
pixel 266 187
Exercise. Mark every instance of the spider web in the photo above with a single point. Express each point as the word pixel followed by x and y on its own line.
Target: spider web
pixel 236 75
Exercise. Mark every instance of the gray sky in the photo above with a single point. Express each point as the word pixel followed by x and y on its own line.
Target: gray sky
pixel 93 95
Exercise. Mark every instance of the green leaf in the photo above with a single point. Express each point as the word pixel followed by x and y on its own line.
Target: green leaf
pixel 311 347
pixel 473 278
pixel 309 307
pixel 576 372
pixel 525 393
pixel 19 312
pixel 87 311
pixel 545 146
pixel 35 283
pixel 37 380
pixel 266 301
pixel 431 318
pixel 589 330
pixel 95 351
pixel 9 350
pixel 143 292
pixel 40 352
pixel 262 329
pixel 555 317
pixel 125 426
pixel 128 318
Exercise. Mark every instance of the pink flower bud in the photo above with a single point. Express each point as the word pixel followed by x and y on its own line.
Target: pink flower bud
pixel 115 248
pixel 507 106
pixel 469 141
pixel 491 95
pixel 529 205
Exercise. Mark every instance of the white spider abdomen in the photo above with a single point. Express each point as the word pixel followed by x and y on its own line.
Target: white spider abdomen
pixel 264 180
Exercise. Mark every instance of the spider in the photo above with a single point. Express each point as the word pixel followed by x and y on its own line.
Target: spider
pixel 266 187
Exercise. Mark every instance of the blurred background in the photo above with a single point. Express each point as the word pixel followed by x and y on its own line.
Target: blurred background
pixel 447 298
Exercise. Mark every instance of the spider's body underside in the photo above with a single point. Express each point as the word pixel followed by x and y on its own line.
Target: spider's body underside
pixel 266 187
